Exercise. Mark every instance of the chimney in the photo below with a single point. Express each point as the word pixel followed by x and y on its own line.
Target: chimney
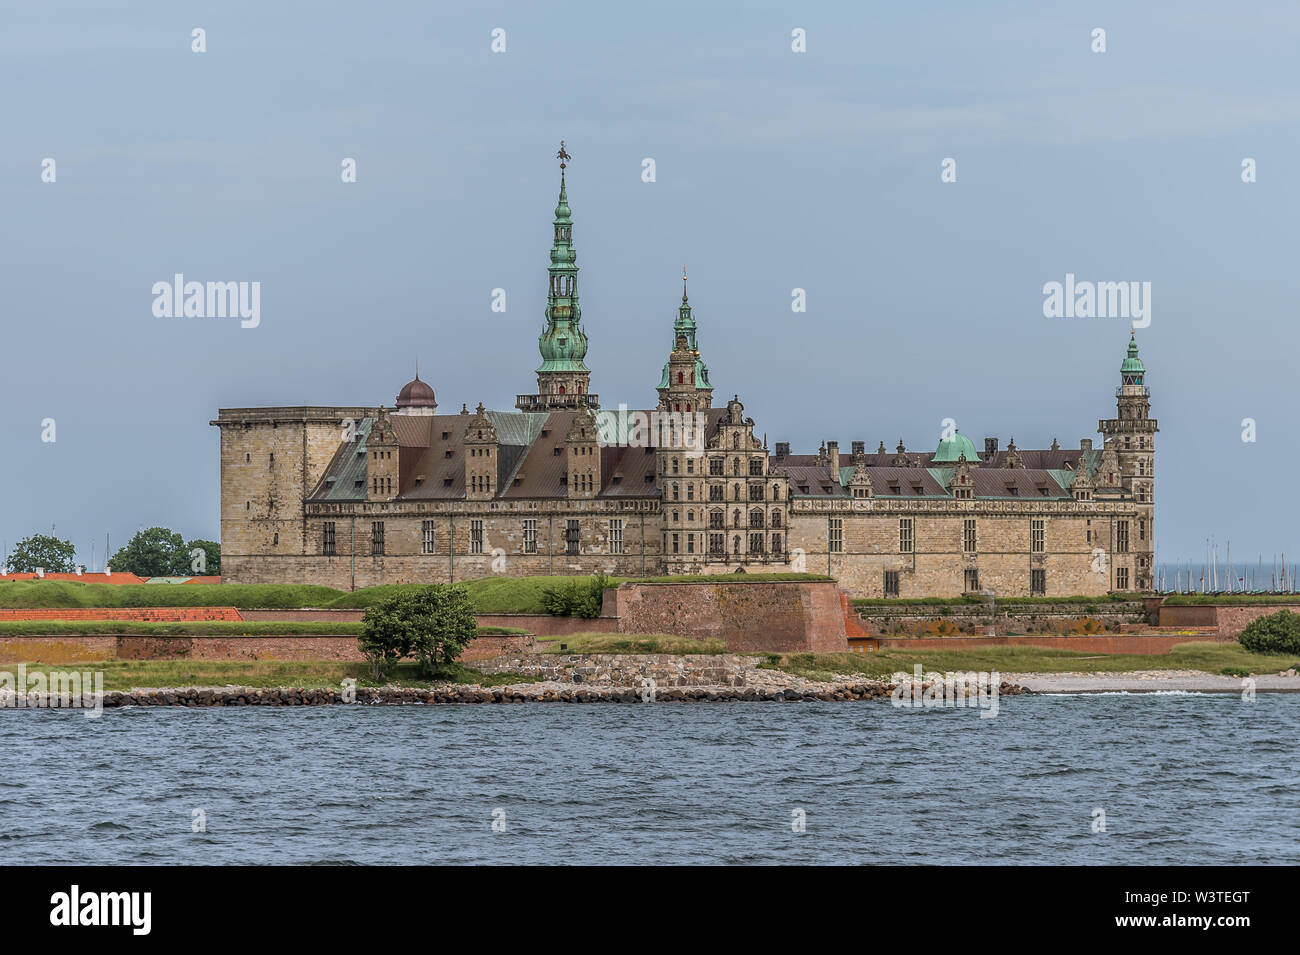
pixel 990 447
pixel 859 447
pixel 782 450
pixel 1085 444
pixel 833 449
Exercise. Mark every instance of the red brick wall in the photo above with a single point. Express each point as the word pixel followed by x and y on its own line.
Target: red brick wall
pixel 154 614
pixel 67 649
pixel 1189 616
pixel 1233 620
pixel 767 616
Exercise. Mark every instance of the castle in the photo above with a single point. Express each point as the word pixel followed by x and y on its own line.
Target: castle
pixel 352 497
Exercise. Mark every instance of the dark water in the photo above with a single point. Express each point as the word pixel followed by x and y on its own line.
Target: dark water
pixel 1182 779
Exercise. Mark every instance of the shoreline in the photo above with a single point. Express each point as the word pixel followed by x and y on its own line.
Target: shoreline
pixel 1149 681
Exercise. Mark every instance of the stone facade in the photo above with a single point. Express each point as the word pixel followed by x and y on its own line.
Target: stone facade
pixel 356 496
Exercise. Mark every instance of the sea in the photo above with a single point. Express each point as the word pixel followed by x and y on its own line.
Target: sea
pixel 1113 779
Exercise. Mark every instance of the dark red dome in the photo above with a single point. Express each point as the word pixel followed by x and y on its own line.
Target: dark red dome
pixel 416 394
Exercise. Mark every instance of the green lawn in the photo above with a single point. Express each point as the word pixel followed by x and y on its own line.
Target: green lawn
pixel 1233 600
pixel 129 674
pixel 1002 604
pixel 489 594
pixel 1219 658
pixel 628 643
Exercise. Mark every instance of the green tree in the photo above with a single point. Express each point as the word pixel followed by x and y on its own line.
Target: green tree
pixel 1275 633
pixel 42 550
pixel 211 563
pixel 154 552
pixel 434 624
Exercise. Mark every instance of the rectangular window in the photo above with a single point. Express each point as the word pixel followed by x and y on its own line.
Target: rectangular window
pixel 676 546
pixel 572 537
pixel 972 581
pixel 906 534
pixel 1037 536
pixel 426 537
pixel 756 492
pixel 616 536
pixel 715 466
pixel 891 583
pixel 836 538
pixel 1121 537
pixel 717 543
pixel 690 543
pixel 327 539
pixel 377 537
pixel 756 543
pixel 968 535
pixel 1038 582
pixel 1142 530
pixel 717 492
pixel 475 537
pixel 756 466
pixel 530 535
pixel 1121 578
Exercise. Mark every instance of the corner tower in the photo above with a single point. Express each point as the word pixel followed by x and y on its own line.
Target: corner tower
pixel 563 379
pixel 1132 435
pixel 684 385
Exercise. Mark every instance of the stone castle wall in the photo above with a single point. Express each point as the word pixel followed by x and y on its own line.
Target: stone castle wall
pixel 757 617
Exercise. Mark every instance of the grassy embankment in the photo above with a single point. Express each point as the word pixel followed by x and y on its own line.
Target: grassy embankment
pixel 982 601
pixel 489 594
pixel 1229 659
pixel 194 628
pixel 138 674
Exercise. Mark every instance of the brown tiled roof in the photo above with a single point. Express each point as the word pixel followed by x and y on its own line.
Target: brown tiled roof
pixel 432 467
pixel 994 482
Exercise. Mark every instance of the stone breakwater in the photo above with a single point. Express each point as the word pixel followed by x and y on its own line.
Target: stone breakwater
pixel 517 693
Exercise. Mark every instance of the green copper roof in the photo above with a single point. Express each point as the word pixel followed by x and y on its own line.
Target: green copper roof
pixel 1132 364
pixel 950 449
pixel 684 325
pixel 563 343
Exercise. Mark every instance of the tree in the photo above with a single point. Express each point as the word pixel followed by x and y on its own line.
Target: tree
pixel 1275 633
pixel 155 552
pixel 434 624
pixel 211 559
pixel 42 550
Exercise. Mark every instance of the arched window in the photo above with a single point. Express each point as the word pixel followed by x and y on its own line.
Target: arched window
pixel 561 389
pixel 680 378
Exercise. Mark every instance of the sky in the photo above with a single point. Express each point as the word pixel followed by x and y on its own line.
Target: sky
pixel 774 170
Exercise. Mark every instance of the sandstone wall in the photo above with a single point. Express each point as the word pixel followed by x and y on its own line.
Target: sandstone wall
pixel 766 616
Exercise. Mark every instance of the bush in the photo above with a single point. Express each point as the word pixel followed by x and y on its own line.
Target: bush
pixel 576 598
pixel 1275 633
pixel 433 624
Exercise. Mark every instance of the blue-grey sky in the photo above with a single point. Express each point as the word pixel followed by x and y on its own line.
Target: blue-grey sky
pixel 775 170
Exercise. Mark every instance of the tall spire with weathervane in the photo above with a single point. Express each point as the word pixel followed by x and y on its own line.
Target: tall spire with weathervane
pixel 563 379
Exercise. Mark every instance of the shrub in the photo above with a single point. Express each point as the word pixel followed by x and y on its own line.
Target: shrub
pixel 575 598
pixel 1275 633
pixel 433 624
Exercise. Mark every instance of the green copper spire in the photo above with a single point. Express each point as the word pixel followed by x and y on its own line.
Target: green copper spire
pixel 684 327
pixel 563 343
pixel 1132 371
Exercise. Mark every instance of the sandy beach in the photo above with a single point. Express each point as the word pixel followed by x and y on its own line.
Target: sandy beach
pixel 1150 681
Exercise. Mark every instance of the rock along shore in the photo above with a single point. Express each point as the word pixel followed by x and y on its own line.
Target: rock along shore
pixel 548 692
